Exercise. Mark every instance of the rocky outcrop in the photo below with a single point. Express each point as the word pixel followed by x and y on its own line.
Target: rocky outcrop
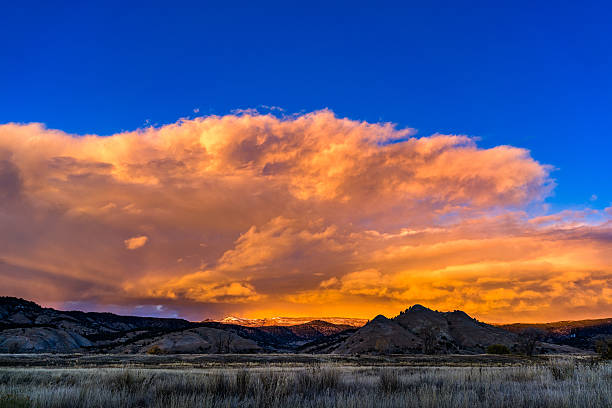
pixel 381 335
pixel 422 330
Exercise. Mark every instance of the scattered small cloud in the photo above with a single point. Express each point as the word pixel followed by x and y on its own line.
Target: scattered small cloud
pixel 272 108
pixel 136 242
pixel 246 112
pixel 329 282
pixel 593 197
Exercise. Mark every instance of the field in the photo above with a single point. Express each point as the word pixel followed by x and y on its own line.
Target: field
pixel 296 381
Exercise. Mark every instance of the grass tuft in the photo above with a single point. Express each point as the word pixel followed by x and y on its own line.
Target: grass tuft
pixel 389 381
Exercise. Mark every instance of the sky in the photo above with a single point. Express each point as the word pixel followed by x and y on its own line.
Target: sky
pixel 199 159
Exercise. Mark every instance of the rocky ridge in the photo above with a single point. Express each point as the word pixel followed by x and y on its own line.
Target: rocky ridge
pixel 26 327
pixel 422 330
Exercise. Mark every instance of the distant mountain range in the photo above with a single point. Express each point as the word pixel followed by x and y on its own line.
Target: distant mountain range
pixel 26 327
pixel 291 321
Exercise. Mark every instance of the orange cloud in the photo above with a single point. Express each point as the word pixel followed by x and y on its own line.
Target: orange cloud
pixel 251 214
pixel 136 242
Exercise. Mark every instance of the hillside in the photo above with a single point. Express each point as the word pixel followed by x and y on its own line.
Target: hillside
pixel 421 330
pixel 26 327
pixel 576 333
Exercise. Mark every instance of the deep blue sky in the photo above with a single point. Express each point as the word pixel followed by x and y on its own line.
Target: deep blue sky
pixel 531 74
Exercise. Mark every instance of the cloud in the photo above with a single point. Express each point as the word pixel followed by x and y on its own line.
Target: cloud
pixel 201 286
pixel 305 215
pixel 135 242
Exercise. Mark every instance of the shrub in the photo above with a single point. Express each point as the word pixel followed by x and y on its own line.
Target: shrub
pixel 13 348
pixel 382 346
pixel 156 350
pixel 309 382
pixel 604 349
pixel 14 401
pixel 562 370
pixel 124 379
pixel 498 349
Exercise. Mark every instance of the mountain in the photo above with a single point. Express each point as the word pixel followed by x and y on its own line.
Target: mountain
pixel 26 327
pixel 23 313
pixel 327 344
pixel 578 333
pixel 381 335
pixel 292 321
pixel 318 328
pixel 422 330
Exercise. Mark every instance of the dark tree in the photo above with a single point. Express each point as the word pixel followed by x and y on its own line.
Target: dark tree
pixel 223 343
pixel 604 349
pixel 430 339
pixel 528 340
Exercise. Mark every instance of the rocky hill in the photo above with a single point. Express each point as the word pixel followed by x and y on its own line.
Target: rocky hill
pixel 205 340
pixel 578 333
pixel 421 330
pixel 314 329
pixel 26 327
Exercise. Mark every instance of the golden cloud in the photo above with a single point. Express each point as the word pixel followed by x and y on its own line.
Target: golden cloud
pixel 251 214
pixel 136 242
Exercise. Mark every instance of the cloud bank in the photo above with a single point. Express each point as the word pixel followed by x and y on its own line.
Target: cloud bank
pixel 309 215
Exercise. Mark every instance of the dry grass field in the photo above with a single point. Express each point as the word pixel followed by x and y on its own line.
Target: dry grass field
pixel 558 382
pixel 249 360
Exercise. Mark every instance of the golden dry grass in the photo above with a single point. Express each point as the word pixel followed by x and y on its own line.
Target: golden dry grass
pixel 560 383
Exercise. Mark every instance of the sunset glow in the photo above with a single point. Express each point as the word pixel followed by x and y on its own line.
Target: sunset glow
pixel 307 215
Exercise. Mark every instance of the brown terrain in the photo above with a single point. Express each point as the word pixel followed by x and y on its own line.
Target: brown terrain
pixel 422 330
pixel 26 327
pixel 578 333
